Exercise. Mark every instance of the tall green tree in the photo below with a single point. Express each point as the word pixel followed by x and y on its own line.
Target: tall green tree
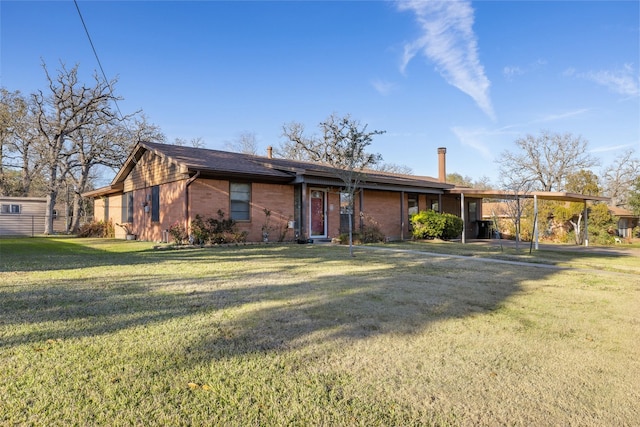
pixel 342 144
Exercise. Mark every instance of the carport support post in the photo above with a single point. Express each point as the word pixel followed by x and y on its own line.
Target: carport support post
pixel 464 225
pixel 586 225
pixel 535 215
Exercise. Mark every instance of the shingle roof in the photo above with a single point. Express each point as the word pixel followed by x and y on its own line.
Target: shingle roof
pixel 215 161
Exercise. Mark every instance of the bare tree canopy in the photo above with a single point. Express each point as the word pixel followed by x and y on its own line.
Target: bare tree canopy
pixel 544 162
pixel 342 144
pixel 392 168
pixel 196 142
pixel 619 177
pixel 58 137
pixel 246 143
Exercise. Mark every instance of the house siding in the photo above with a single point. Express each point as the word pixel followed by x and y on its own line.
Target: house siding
pixel 383 208
pixel 30 220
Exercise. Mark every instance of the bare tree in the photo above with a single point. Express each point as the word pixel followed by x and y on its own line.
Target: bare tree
pixel 546 160
pixel 618 178
pixel 392 168
pixel 17 145
pixel 341 145
pixel 289 148
pixel 68 108
pixel 196 142
pixel 246 143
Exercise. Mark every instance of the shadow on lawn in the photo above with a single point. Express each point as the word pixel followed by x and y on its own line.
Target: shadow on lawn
pixel 255 306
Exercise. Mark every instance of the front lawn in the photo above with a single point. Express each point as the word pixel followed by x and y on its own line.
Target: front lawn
pixel 105 332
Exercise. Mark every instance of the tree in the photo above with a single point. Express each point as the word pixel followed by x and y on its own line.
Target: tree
pixel 634 197
pixel 196 142
pixel 18 145
pixel 70 107
pixel 545 161
pixel 245 143
pixel 618 178
pixel 342 145
pixel 582 182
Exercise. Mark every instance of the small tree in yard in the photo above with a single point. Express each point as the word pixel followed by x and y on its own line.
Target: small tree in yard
pixel 342 145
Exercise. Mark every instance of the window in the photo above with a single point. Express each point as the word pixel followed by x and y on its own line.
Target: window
pixel 434 206
pixel 155 203
pixel 473 208
pixel 240 198
pixel 127 207
pixel 413 204
pixel 346 204
pixel 11 209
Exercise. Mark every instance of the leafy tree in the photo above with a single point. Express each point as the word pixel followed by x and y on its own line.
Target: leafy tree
pixel 582 182
pixel 342 145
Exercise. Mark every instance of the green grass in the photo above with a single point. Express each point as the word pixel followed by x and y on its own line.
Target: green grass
pixel 105 332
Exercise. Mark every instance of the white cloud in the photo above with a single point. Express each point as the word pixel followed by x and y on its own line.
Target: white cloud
pixel 449 41
pixel 382 87
pixel 510 72
pixel 624 81
pixel 475 139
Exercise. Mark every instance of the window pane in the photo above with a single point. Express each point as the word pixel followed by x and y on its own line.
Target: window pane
pixel 155 203
pixel 240 198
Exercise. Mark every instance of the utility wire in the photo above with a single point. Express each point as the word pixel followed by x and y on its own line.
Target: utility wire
pixel 95 53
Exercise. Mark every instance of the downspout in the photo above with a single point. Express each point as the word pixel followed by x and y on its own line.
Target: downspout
pixel 186 199
pixel 464 222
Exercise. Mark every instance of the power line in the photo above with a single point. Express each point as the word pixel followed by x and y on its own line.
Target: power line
pixel 95 53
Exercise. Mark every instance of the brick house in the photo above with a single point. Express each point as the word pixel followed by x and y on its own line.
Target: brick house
pixel 160 185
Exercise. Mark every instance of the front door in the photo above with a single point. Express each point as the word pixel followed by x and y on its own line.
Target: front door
pixel 317 213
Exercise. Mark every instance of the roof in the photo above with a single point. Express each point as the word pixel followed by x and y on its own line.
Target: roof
pixel 621 212
pixel 216 163
pixel 542 195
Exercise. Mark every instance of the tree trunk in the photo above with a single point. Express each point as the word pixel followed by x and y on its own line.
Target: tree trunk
pixel 351 232
pixel 51 200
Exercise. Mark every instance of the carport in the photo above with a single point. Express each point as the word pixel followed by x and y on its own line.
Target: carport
pixel 536 195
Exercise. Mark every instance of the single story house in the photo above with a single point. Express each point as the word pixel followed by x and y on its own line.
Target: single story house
pixel 26 216
pixel 161 185
pixel 627 221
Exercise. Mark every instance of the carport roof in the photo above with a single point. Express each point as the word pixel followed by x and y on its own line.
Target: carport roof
pixel 560 196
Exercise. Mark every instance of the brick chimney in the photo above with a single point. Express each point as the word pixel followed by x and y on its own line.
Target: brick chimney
pixel 442 164
pixel 270 152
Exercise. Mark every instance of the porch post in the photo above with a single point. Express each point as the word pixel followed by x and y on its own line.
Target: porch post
pixel 303 212
pixel 464 225
pixel 586 225
pixel 402 215
pixel 535 216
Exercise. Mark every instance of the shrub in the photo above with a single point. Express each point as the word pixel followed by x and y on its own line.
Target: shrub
pixel 178 232
pixel 433 225
pixel 215 230
pixel 97 229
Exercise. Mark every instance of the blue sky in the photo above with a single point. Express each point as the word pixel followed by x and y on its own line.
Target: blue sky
pixel 470 76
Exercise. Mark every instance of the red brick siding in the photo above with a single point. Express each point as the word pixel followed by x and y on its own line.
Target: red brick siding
pixel 384 209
